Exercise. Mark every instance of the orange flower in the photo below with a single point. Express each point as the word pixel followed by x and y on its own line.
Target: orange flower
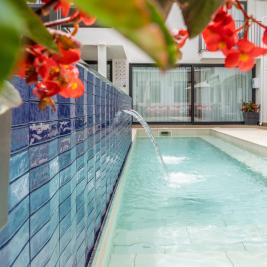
pixel 264 38
pixel 181 37
pixel 64 5
pixel 69 56
pixel 73 89
pixel 244 56
pixel 220 33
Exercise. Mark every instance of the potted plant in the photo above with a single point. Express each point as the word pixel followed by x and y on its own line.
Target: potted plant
pixel 251 113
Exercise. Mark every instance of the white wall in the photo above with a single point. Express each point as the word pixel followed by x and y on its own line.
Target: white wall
pixel 108 36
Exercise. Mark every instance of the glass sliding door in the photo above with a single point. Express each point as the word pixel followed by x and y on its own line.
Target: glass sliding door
pixel 219 93
pixel 162 97
pixel 215 96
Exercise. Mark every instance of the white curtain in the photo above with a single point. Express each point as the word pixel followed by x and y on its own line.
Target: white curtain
pixel 162 96
pixel 166 97
pixel 219 93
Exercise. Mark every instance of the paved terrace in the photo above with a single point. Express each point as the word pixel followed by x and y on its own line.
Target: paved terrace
pixel 252 134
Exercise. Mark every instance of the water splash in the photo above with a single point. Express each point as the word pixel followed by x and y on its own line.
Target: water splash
pixel 150 135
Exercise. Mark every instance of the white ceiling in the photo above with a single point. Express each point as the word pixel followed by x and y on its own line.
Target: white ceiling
pixel 89 52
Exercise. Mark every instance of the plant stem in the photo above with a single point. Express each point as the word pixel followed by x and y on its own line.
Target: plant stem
pixel 62 21
pixel 247 17
pixel 46 7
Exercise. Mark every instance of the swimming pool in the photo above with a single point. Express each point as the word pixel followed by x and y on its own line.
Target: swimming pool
pixel 210 210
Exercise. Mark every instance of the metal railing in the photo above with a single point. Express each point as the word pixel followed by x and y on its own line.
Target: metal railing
pixel 254 35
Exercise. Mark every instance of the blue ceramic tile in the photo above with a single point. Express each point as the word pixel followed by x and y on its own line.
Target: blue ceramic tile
pixel 80 163
pixel 65 224
pixel 53 148
pixel 54 259
pixel 19 138
pixel 20 115
pixel 18 190
pixel 53 129
pixel 79 123
pixel 54 167
pixel 64 159
pixel 80 149
pixel 64 143
pixel 39 132
pixel 64 127
pixel 22 87
pixel 40 218
pixel 65 175
pixel 65 191
pixel 48 256
pixel 79 136
pixel 37 115
pixel 19 164
pixel 16 218
pixel 81 72
pixel 40 239
pixel 38 155
pixel 11 251
pixel 39 197
pixel 53 115
pixel 39 176
pixel 79 110
pixel 63 111
pixel 74 165
pixel 61 99
pixel 24 257
pixel 90 77
pixel 64 208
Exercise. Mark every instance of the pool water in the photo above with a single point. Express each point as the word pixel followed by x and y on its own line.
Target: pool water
pixel 209 211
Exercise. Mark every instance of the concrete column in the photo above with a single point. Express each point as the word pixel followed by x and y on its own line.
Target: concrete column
pixel 5 124
pixel 263 90
pixel 263 77
pixel 102 59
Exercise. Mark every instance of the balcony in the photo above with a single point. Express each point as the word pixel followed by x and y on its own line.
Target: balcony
pixel 254 36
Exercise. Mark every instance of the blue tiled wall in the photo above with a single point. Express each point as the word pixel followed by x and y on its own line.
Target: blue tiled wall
pixel 63 169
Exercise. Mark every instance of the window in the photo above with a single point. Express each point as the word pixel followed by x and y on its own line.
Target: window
pixel 167 97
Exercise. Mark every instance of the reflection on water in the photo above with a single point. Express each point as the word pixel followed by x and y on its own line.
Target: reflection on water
pixel 173 160
pixel 176 179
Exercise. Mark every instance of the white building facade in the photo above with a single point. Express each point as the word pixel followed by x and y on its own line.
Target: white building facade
pixel 198 90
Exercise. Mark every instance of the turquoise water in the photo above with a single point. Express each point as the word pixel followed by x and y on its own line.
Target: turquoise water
pixel 210 210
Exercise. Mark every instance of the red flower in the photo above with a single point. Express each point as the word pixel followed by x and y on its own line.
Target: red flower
pixel 229 3
pixel 181 38
pixel 69 56
pixel 86 19
pixel 64 5
pixel 244 56
pixel 46 89
pixel 264 38
pixel 73 89
pixel 220 33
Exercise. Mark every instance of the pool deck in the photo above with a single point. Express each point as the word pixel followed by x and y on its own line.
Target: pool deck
pixel 252 134
pixel 256 136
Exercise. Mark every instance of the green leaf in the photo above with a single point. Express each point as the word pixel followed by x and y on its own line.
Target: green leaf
pixel 9 97
pixel 11 26
pixel 197 13
pixel 35 30
pixel 165 6
pixel 140 22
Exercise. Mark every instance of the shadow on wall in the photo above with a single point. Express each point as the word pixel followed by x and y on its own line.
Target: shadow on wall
pixel 63 168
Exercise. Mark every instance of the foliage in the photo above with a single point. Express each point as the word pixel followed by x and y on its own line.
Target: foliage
pixel 46 57
pixel 221 34
pixel 9 97
pixel 250 107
